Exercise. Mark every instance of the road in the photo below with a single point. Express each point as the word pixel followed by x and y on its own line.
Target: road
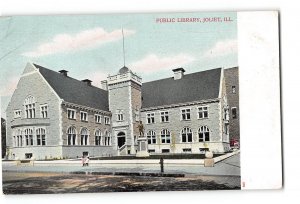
pixel 48 180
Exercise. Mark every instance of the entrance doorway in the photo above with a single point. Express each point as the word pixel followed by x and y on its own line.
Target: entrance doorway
pixel 121 139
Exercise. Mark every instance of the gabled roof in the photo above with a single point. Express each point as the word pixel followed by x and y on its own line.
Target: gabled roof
pixel 191 87
pixel 75 91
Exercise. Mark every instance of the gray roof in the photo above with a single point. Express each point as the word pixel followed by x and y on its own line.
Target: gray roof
pixel 191 87
pixel 75 91
pixel 124 70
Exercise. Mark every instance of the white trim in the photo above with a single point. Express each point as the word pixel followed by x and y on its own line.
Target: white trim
pixel 108 120
pixel 207 106
pixel 150 117
pixel 74 113
pixel 98 115
pixel 185 108
pixel 164 111
pixel 41 106
pixel 186 136
pixel 86 116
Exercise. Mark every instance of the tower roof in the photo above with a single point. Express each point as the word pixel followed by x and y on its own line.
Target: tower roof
pixel 124 70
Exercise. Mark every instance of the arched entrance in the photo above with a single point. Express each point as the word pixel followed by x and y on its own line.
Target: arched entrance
pixel 121 139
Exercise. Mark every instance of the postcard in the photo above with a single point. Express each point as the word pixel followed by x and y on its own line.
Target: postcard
pixel 140 102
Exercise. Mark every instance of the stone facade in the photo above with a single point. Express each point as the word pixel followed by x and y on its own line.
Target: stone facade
pixel 232 91
pixel 32 84
pixel 71 129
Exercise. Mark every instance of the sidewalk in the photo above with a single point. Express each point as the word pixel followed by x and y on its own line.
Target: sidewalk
pixel 228 167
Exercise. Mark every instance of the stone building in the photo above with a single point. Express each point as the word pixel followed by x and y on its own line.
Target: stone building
pixel 52 115
pixel 232 90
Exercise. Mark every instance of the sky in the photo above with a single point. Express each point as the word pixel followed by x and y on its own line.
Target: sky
pixel 91 46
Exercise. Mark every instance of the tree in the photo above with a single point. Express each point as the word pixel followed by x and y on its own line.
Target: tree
pixel 3 136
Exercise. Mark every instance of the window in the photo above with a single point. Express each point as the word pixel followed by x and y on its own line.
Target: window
pixel 29 107
pixel 17 114
pixel 41 136
pixel 150 118
pixel 98 118
pixel 44 111
pixel 202 112
pixel 234 112
pixel 186 114
pixel 71 114
pixel 165 136
pixel 233 89
pixel 28 137
pixel 98 138
pixel 19 139
pixel 226 129
pixel 187 150
pixel 28 155
pixel 107 139
pixel 84 139
pixel 120 115
pixel 151 150
pixel 106 120
pixel 83 116
pixel 186 135
pixel 204 134
pixel 14 141
pixel 151 137
pixel 165 151
pixel 164 116
pixel 72 136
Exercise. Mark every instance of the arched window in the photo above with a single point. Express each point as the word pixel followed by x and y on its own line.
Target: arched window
pixel 72 136
pixel 165 136
pixel 98 137
pixel 186 135
pixel 204 134
pixel 151 137
pixel 29 105
pixel 107 139
pixel 84 139
pixel 41 136
pixel 29 137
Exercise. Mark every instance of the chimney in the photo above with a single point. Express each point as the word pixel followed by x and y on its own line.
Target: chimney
pixel 178 73
pixel 104 85
pixel 63 72
pixel 87 81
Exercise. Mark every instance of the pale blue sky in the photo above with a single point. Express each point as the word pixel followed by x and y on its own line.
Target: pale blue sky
pixel 152 49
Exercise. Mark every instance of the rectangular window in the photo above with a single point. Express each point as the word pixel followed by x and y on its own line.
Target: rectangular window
pixel 44 111
pixel 186 114
pixel 187 150
pixel 98 118
pixel 38 139
pixel 17 114
pixel 150 118
pixel 120 117
pixel 83 116
pixel 151 150
pixel 234 112
pixel 233 88
pixel 30 110
pixel 71 114
pixel 106 120
pixel 164 116
pixel 202 112
pixel 165 151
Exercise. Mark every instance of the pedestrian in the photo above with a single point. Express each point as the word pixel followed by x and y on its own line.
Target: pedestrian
pixel 83 160
pixel 87 161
